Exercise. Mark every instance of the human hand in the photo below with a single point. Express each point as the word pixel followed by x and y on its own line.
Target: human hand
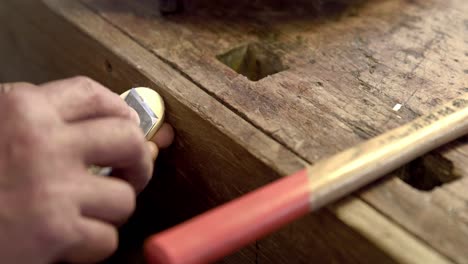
pixel 51 208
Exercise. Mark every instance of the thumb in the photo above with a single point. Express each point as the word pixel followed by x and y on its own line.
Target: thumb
pixel 164 136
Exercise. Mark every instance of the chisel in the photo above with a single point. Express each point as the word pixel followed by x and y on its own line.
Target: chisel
pixel 149 106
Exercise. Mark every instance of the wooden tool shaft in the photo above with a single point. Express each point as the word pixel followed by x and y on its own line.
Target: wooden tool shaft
pixel 225 229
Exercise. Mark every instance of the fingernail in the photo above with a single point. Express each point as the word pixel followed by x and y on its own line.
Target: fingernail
pixel 134 115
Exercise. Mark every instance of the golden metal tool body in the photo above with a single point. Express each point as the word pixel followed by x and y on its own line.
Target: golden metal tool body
pixel 154 103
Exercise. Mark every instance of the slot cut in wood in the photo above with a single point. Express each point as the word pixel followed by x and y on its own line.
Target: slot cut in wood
pixel 428 172
pixel 253 60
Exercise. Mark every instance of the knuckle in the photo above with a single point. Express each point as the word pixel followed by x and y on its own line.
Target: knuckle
pixel 6 88
pixel 94 247
pixel 28 133
pixel 142 179
pixel 136 138
pixel 84 81
pixel 31 141
pixel 16 101
pixel 129 137
pixel 126 202
pixel 96 95
pixel 24 104
pixel 129 198
pixel 23 85
pixel 97 98
pixel 112 242
pixel 138 150
pixel 135 132
pixel 90 86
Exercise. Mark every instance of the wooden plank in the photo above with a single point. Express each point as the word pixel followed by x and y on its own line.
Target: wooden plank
pixel 233 146
pixel 318 93
pixel 439 216
pixel 56 45
pixel 344 74
pixel 404 250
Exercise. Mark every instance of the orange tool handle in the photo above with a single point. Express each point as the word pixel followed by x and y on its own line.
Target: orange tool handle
pixel 229 227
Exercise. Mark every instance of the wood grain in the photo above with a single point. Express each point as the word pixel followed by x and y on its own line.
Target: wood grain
pixel 46 46
pixel 265 210
pixel 346 72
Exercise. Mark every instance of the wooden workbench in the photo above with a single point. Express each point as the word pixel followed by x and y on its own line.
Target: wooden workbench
pixel 257 90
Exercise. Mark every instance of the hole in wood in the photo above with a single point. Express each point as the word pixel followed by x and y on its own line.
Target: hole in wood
pixel 428 172
pixel 167 7
pixel 333 7
pixel 253 60
pixel 108 66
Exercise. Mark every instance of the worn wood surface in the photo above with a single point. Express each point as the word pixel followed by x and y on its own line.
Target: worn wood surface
pixel 344 73
pixel 40 45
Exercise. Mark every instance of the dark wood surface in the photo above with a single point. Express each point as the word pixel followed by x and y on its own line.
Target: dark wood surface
pixel 341 71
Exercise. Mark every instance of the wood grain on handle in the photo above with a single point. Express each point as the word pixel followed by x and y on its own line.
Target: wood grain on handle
pixel 221 231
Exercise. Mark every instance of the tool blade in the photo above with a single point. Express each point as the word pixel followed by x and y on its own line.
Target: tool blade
pixel 147 117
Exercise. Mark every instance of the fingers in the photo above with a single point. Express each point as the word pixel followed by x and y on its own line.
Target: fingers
pixel 153 148
pixel 116 143
pixel 107 199
pixel 99 241
pixel 8 87
pixel 5 88
pixel 134 116
pixel 164 136
pixel 81 98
